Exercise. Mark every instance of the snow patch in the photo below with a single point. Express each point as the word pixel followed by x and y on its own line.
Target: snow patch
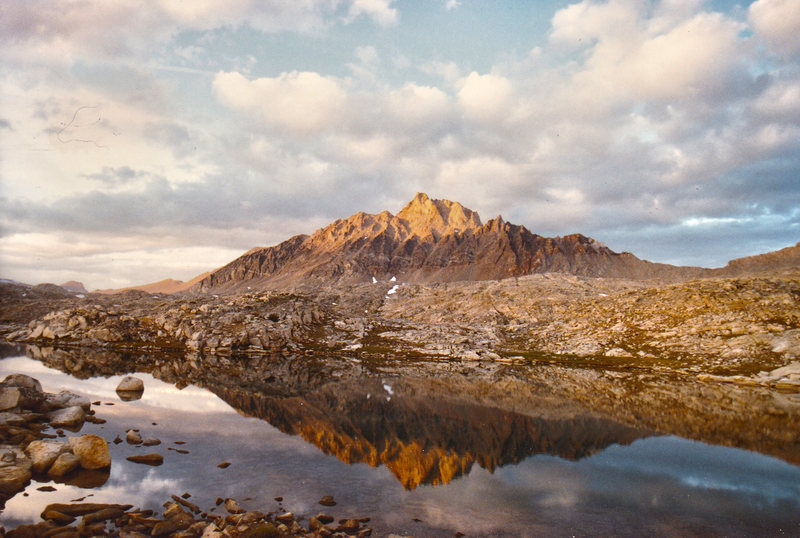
pixel 388 388
pixel 393 290
pixel 393 279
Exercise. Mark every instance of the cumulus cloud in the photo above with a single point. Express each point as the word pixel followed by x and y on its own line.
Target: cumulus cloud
pixel 486 98
pixel 298 102
pixel 419 106
pixel 777 22
pixel 61 32
pixel 381 11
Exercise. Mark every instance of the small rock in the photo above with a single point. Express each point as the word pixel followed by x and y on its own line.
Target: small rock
pixel 147 459
pixel 263 530
pixel 151 442
pixel 43 453
pixel 81 509
pixel 117 440
pixel 348 525
pixel 15 470
pixel 23 381
pixel 327 500
pixel 57 517
pixel 64 464
pixel 285 518
pixel 133 437
pixel 69 417
pixel 91 450
pixel 130 384
pixel 325 518
pixel 170 526
pixel 66 398
pixel 224 465
pixel 46 489
pixel 233 507
pixel 9 398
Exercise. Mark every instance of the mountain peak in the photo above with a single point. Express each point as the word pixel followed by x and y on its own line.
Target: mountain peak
pixel 425 216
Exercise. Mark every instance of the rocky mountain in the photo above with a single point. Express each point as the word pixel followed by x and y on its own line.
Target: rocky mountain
pixel 779 259
pixel 74 287
pixel 427 241
pixel 169 285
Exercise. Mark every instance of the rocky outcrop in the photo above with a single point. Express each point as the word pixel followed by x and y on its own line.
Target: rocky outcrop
pixel 27 451
pixel 427 241
pixel 725 326
pixel 74 287
pixel 771 261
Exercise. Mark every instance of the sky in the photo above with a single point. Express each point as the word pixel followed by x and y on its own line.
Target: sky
pixel 148 140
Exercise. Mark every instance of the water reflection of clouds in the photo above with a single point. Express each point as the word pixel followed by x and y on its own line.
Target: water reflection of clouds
pixel 122 487
pixel 701 466
pixel 190 399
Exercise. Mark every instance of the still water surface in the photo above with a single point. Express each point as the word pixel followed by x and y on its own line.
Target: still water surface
pixel 653 485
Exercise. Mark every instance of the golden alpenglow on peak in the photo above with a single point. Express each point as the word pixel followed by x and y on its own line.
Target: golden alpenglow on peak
pixel 425 216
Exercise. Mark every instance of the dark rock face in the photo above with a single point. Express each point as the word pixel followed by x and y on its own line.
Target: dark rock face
pixel 428 241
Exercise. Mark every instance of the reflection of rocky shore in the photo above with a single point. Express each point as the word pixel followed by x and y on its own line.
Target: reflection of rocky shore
pixel 444 416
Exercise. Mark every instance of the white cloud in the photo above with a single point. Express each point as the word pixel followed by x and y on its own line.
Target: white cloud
pixel 381 11
pixel 486 98
pixel 663 58
pixel 367 55
pixel 418 106
pixel 777 22
pixel 302 103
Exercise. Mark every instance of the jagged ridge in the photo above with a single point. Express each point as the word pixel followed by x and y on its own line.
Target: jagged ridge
pixel 427 241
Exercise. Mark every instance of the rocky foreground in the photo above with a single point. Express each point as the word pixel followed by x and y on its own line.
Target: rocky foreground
pixel 34 445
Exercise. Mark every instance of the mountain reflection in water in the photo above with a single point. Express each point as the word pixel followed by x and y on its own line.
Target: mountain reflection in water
pixel 572 474
pixel 421 436
pixel 422 430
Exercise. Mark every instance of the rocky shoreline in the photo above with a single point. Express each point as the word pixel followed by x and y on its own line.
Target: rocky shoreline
pixel 739 325
pixel 30 450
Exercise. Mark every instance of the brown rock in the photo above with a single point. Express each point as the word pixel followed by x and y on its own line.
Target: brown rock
pixel 348 525
pixel 57 517
pixel 64 464
pixel 153 459
pixel 285 518
pixel 43 453
pixel 81 509
pixel 327 500
pixel 9 398
pixel 133 437
pixel 178 522
pixel 91 450
pixel 262 530
pixel 233 507
pixel 15 470
pixel 69 417
pixel 130 384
